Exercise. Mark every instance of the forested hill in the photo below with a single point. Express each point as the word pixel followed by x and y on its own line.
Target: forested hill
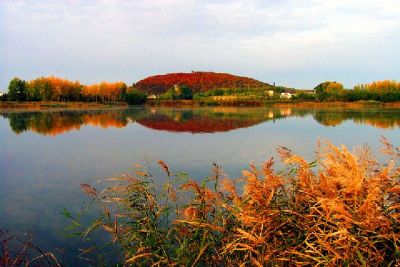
pixel 197 81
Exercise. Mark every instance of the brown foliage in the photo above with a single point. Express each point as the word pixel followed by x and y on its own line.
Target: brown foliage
pixel 104 91
pixel 343 209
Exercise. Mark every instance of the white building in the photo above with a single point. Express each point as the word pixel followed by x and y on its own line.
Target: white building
pixel 286 95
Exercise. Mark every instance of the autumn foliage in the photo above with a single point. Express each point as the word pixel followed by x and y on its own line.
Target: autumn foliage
pixel 197 81
pixel 380 86
pixel 58 89
pixel 105 91
pixel 383 91
pixel 343 209
pixel 53 88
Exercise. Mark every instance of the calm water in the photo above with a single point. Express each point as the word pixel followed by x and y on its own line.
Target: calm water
pixel 44 156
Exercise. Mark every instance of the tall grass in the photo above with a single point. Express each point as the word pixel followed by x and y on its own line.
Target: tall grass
pixel 21 251
pixel 342 209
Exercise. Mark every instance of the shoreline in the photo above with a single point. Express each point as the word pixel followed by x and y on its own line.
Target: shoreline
pixel 38 106
pixel 275 104
pixel 43 106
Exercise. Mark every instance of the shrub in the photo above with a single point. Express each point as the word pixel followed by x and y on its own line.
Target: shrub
pixel 135 98
pixel 343 209
pixel 185 92
pixel 4 97
pixel 305 96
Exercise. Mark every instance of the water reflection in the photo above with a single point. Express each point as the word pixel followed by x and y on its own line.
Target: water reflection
pixel 39 176
pixel 379 118
pixel 193 120
pixel 205 120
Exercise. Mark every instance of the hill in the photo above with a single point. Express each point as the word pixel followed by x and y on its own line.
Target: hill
pixel 198 82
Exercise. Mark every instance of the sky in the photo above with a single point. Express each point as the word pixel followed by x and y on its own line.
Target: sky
pixel 292 43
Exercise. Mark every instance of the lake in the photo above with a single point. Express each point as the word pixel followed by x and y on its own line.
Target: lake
pixel 45 155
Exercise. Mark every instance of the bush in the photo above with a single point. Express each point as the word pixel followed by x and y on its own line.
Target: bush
pixel 135 98
pixel 185 93
pixel 305 96
pixel 217 92
pixel 4 97
pixel 346 211
pixel 178 92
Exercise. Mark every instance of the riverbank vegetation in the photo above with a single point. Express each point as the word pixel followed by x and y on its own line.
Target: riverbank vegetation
pixel 21 251
pixel 342 209
pixel 196 88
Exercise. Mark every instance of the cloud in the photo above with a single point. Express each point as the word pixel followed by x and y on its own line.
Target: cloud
pixel 295 43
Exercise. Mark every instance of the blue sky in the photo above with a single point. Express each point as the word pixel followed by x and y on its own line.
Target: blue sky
pixel 292 43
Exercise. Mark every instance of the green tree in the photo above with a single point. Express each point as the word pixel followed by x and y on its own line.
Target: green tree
pixel 185 92
pixel 135 98
pixel 321 88
pixel 41 89
pixel 328 91
pixel 17 90
pixel 170 94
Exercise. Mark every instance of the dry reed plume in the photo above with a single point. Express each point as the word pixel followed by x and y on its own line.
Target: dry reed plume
pixel 343 209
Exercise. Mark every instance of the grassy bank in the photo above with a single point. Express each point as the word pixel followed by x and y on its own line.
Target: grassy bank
pixel 342 209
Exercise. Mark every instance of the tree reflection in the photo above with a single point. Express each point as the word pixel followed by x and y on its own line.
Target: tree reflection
pixel 379 118
pixel 206 120
pixel 191 120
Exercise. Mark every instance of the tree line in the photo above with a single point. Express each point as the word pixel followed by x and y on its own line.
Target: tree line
pixel 383 91
pixel 58 89
pixel 63 90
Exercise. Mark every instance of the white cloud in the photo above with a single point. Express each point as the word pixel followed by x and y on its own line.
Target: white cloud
pixel 296 43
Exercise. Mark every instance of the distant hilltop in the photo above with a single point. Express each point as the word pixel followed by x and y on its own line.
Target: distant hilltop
pixel 198 82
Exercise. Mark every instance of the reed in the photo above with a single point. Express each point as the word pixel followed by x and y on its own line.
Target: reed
pixel 21 251
pixel 342 209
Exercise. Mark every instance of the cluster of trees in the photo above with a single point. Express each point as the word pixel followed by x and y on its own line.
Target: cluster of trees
pixel 328 91
pixel 384 91
pixel 178 92
pixel 58 89
pixel 51 89
pixel 197 81
pixel 105 91
pixel 379 86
